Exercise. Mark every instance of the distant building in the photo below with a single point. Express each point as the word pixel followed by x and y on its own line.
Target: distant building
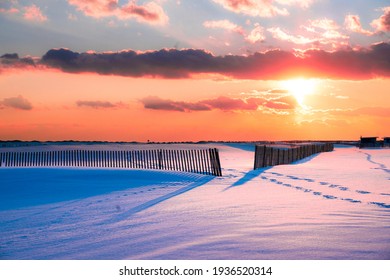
pixel 366 142
pixel 386 141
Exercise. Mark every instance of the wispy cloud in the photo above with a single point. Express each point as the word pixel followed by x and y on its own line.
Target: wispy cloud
pixel 18 102
pixel 324 32
pixel 31 13
pixel 224 24
pixel 9 11
pixel 368 111
pixel 363 63
pixel 256 34
pixel 324 23
pixel 98 104
pixel 261 8
pixel 34 13
pixel 150 12
pixel 223 103
pixel 279 34
pixel 383 23
pixel 157 103
pixel 301 3
pixel 352 23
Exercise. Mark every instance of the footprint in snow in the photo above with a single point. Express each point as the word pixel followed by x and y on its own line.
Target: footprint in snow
pixel 324 183
pixel 317 193
pixel 363 192
pixel 380 204
pixel 329 196
pixel 351 200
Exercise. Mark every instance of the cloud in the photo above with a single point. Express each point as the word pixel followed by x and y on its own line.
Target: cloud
pixel 30 13
pixel 9 11
pixel 156 103
pixel 353 112
pixel 283 91
pixel 18 102
pixel 301 3
pixel 332 34
pixel 97 104
pixel 353 64
pixel 255 8
pixel 222 103
pixel 278 33
pixel 150 12
pixel 12 61
pixel 224 24
pixel 34 13
pixel 230 104
pixel 324 30
pixel 324 23
pixel 256 35
pixel 383 23
pixel 262 8
pixel 352 23
pixel 371 111
pixel 350 64
pixel 281 102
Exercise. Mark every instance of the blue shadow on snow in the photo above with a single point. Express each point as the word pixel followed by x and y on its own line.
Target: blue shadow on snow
pixel 26 187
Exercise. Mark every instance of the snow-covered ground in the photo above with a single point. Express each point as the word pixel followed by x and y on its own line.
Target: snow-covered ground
pixel 329 206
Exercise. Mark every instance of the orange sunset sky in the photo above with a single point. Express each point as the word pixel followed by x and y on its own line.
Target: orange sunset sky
pixel 186 71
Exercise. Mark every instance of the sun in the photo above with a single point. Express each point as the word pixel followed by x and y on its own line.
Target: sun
pixel 300 88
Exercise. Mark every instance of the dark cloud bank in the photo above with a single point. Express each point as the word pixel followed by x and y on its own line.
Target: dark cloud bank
pixel 364 63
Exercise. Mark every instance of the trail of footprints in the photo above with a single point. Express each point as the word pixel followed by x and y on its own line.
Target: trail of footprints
pixel 152 188
pixel 325 184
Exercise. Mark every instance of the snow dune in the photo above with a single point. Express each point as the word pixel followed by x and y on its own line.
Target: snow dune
pixel 329 206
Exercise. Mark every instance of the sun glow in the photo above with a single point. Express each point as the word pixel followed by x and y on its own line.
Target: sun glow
pixel 300 88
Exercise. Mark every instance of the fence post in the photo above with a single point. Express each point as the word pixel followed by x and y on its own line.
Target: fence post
pixel 218 162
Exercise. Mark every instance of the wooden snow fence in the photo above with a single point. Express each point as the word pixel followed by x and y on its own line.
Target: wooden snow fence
pixel 197 161
pixel 271 156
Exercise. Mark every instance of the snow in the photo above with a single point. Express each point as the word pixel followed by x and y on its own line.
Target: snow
pixel 332 205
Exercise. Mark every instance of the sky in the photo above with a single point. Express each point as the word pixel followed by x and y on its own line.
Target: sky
pixel 181 70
